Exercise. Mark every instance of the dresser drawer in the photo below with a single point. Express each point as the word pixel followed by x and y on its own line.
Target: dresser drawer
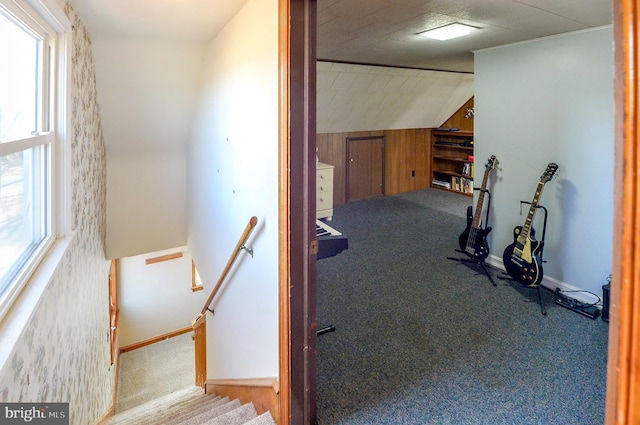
pixel 324 186
pixel 324 178
pixel 324 200
pixel 324 191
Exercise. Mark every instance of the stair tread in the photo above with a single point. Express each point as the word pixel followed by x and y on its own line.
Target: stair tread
pixel 185 395
pixel 264 419
pixel 188 407
pixel 238 416
pixel 197 418
pixel 205 407
pixel 169 413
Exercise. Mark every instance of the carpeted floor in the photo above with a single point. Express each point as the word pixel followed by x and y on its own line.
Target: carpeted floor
pixel 421 339
pixel 425 340
pixel 155 370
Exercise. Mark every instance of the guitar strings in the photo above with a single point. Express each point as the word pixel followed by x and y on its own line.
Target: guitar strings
pixel 471 241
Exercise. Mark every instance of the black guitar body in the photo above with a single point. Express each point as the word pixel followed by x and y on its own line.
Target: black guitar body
pixel 473 241
pixel 464 236
pixel 520 269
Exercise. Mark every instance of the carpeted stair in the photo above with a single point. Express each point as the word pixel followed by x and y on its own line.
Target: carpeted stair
pixel 190 406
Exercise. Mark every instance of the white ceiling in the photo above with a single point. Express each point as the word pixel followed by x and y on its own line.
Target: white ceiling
pixel 384 32
pixel 179 20
pixel 381 32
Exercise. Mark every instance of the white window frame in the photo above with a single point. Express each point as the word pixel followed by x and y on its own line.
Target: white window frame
pixel 28 286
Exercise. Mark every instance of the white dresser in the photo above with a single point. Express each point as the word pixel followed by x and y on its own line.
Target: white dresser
pixel 324 191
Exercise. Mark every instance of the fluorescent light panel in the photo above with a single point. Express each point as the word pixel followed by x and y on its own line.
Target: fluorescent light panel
pixel 449 31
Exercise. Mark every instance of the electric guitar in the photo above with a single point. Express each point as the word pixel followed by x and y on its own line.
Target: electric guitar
pixel 473 241
pixel 522 258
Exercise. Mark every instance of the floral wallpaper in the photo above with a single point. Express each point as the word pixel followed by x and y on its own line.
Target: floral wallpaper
pixel 63 354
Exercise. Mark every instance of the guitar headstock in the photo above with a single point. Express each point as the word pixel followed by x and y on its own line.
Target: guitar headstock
pixel 492 162
pixel 549 172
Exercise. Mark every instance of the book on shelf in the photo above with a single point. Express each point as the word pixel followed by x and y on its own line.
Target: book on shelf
pixel 466 169
pixel 462 184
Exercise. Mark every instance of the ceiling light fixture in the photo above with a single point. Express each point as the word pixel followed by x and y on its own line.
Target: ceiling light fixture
pixel 449 31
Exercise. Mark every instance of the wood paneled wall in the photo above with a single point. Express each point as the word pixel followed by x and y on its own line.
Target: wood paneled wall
pixel 407 159
pixel 458 119
pixel 407 155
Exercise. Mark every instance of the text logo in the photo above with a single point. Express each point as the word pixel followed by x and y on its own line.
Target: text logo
pixel 34 413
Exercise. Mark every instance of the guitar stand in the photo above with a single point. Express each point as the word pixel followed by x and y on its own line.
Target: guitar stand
pixel 506 276
pixel 481 263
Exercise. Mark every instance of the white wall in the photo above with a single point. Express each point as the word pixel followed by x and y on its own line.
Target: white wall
pixel 362 98
pixel 551 100
pixel 233 175
pixel 156 299
pixel 147 90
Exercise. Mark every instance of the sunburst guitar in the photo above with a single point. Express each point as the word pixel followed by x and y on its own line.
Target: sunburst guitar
pixel 473 241
pixel 522 258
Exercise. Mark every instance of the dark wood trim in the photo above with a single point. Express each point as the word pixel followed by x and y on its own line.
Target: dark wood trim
pixel 392 66
pixel 301 209
pixel 155 339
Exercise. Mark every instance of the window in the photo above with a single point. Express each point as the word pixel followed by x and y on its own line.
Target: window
pixel 196 282
pixel 31 132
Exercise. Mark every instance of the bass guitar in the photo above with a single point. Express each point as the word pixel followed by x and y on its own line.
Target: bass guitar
pixel 522 258
pixel 473 241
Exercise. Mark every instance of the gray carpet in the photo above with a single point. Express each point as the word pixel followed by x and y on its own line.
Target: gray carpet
pixel 156 386
pixel 425 340
pixel 155 370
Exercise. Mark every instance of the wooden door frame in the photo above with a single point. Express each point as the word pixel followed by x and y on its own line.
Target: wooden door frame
pixel 347 195
pixel 297 263
pixel 297 239
pixel 623 373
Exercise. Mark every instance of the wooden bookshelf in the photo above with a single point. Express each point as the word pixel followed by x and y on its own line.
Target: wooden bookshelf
pixel 451 167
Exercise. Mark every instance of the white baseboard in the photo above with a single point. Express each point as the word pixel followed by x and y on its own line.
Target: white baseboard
pixel 552 284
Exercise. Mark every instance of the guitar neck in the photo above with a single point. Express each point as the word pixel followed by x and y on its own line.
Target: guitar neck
pixel 526 229
pixel 477 216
